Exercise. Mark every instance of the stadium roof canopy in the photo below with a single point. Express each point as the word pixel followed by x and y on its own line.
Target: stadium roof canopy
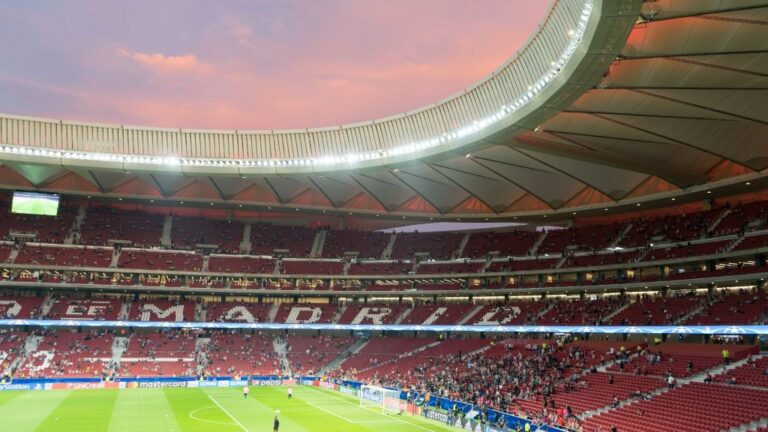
pixel 610 105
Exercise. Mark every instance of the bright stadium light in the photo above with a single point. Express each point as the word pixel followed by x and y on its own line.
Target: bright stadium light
pixel 575 37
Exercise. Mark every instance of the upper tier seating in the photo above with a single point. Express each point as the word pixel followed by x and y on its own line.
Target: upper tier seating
pixel 187 232
pixel 682 251
pixel 157 260
pixel 510 243
pixel 437 245
pixel 690 408
pixel 241 355
pixel 80 256
pixel 366 244
pixel 69 354
pixel 752 242
pixel 451 267
pixel 380 268
pixel 600 259
pixel 237 312
pixel 592 238
pixel 97 309
pixel 240 264
pixel 5 252
pixel 674 229
pixel 103 224
pixel 742 217
pixel 47 229
pixel 522 265
pixel 265 238
pixel 312 267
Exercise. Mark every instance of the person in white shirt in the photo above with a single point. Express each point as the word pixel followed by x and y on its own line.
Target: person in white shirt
pixel 246 390
pixel 290 393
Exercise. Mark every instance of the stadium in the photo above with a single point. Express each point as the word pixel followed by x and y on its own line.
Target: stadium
pixel 576 241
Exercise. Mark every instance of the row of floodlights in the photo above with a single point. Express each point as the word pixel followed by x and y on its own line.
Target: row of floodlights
pixel 554 70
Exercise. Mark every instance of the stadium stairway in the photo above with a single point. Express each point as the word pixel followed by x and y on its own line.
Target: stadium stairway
pixel 404 314
pixel 726 211
pixel 279 346
pixel 609 317
pixel 318 243
pixel 200 312
pixel 165 238
pixel 538 243
pixel 245 244
pixel 753 426
pixel 201 358
pixel 74 232
pixel 12 255
pixel 125 309
pixel 387 252
pixel 47 304
pixel 30 345
pixel 353 349
pixel 691 313
pixel 621 235
pixel 115 257
pixel 119 345
pixel 471 314
pixel 408 354
pixel 462 244
pixel 699 378
pixel 273 312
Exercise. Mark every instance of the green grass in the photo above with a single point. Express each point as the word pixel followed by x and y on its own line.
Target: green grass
pixel 35 206
pixel 198 410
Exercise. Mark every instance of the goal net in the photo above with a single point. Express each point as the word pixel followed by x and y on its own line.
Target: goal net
pixel 386 399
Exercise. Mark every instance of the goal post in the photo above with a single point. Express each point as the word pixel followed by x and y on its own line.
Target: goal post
pixel 388 400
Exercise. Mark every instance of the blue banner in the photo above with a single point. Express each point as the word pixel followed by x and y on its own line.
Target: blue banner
pixel 684 330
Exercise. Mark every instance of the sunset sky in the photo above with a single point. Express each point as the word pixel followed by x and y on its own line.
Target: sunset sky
pixel 268 64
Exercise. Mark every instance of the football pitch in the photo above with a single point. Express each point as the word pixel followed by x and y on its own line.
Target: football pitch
pixel 198 410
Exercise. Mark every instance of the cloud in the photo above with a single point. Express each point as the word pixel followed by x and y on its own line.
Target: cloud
pixel 164 65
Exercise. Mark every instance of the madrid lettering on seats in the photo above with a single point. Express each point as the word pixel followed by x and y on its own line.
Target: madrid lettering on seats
pixel 304 315
pixel 148 310
pixel 374 314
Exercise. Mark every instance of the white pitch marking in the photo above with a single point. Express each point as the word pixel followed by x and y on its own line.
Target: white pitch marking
pixel 194 417
pixel 331 413
pixel 228 414
pixel 372 410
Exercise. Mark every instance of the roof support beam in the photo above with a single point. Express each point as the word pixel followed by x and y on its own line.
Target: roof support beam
pixel 416 191
pixel 460 186
pixel 676 141
pixel 704 107
pixel 478 159
pixel 593 154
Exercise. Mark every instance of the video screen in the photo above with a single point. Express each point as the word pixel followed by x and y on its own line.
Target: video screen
pixel 35 203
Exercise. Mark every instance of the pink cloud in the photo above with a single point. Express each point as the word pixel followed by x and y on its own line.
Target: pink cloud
pixel 163 64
